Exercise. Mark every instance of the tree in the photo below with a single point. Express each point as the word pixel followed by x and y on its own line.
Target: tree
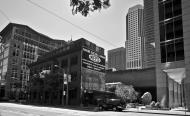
pixel 126 92
pixel 86 6
pixel 50 82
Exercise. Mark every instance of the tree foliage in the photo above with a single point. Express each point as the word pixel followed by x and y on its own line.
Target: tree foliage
pixel 51 82
pixel 86 6
pixel 126 92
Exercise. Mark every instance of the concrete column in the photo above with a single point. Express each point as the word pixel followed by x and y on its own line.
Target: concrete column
pixel 186 34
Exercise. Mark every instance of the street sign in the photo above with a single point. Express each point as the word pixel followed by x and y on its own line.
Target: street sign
pixel 69 78
pixel 65 75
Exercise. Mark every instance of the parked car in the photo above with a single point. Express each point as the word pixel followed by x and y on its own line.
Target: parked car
pixel 114 104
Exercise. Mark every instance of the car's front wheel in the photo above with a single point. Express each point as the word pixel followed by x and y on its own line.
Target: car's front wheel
pixel 114 108
pixel 101 108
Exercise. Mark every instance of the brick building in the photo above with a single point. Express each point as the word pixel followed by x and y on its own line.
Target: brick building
pixel 20 46
pixel 83 60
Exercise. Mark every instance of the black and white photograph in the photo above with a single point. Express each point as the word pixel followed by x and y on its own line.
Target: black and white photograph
pixel 94 57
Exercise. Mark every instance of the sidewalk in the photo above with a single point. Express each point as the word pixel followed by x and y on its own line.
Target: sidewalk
pixel 166 112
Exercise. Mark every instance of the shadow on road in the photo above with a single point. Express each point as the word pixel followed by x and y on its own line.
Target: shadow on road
pixel 161 113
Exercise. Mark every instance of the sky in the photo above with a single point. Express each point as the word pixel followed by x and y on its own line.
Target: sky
pixel 108 25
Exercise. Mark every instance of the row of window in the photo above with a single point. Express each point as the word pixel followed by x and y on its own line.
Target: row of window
pixel 16 45
pixel 15 52
pixel 32 42
pixel 134 64
pixel 172 51
pixel 74 61
pixel 28 55
pixel 171 29
pixel 39 38
pixel 26 62
pixel 169 9
pixel 28 48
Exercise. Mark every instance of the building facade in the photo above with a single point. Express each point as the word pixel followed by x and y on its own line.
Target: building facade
pixel 134 40
pixel 143 80
pixel 83 60
pixel 149 48
pixel 20 46
pixel 117 58
pixel 171 20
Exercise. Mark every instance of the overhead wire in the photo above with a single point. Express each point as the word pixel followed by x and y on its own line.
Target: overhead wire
pixel 65 20
pixel 5 15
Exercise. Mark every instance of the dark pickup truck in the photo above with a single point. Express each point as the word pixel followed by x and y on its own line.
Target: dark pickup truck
pixel 110 104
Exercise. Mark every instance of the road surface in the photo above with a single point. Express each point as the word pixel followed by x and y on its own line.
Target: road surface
pixel 10 109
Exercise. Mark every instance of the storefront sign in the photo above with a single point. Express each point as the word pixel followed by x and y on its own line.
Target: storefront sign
pixel 92 60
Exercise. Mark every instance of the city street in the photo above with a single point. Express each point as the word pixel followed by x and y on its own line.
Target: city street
pixel 10 109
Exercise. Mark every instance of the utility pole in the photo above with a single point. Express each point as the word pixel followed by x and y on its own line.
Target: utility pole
pixel 64 76
pixel 67 94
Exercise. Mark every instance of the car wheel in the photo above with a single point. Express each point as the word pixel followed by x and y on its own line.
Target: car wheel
pixel 114 109
pixel 120 110
pixel 101 108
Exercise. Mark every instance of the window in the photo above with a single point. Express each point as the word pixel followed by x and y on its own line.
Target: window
pixel 162 32
pixel 168 10
pixel 177 7
pixel 74 60
pixel 179 46
pixel 170 51
pixel 178 28
pixel 16 53
pixel 169 30
pixel 14 61
pixel 28 35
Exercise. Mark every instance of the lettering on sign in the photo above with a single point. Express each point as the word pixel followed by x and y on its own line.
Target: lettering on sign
pixel 92 60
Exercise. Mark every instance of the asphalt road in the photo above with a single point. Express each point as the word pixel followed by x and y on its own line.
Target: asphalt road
pixel 9 109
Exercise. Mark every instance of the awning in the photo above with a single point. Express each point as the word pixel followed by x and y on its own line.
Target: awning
pixel 177 74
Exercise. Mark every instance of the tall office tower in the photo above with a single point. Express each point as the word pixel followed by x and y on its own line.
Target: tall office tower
pixel 172 33
pixel 117 58
pixel 134 38
pixel 149 51
pixel 20 46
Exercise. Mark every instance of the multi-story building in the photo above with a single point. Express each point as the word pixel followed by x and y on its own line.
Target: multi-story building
pixel 171 28
pixel 149 39
pixel 84 61
pixel 117 58
pixel 20 46
pixel 134 38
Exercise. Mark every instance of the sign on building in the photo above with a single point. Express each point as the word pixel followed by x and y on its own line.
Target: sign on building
pixel 92 60
pixel 93 70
